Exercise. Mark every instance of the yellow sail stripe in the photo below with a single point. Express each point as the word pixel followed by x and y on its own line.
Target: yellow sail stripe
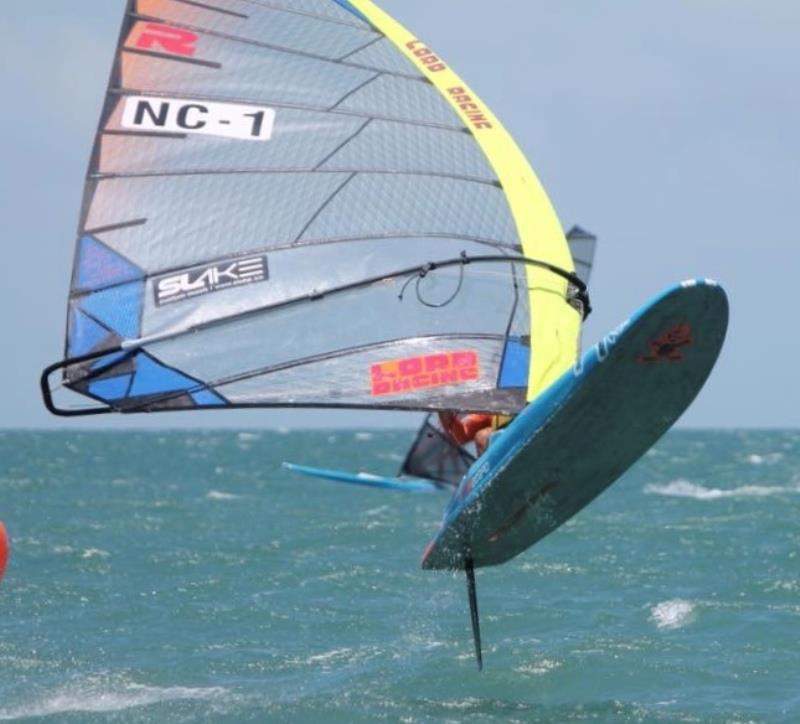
pixel 555 325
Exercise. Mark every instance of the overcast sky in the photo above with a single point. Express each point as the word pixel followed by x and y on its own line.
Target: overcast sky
pixel 671 128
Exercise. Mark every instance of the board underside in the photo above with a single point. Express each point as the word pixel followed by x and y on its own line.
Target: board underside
pixel 585 431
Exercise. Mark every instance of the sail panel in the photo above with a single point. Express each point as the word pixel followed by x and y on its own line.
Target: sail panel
pixel 336 360
pixel 374 314
pixel 187 220
pixel 582 246
pixel 382 55
pixel 437 205
pixel 302 141
pixel 434 456
pixel 295 273
pixel 435 369
pixel 249 22
pixel 299 80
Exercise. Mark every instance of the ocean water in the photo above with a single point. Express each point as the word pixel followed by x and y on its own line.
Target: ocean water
pixel 184 576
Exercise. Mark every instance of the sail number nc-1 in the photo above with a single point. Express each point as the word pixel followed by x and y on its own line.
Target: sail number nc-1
pixel 174 115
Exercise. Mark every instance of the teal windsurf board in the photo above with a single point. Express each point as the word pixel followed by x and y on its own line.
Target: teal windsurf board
pixel 585 430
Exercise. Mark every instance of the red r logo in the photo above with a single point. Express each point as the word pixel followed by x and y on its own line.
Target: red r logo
pixel 176 41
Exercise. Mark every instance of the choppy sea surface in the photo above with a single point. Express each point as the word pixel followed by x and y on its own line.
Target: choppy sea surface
pixel 184 576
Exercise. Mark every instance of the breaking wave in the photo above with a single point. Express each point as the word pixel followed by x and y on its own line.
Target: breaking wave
pixel 219 495
pixel 673 614
pixel 104 695
pixel 688 489
pixel 767 459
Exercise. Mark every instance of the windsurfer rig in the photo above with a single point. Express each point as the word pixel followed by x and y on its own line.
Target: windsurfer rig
pixel 298 203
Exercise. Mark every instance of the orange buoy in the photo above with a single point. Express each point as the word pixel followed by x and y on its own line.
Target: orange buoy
pixel 5 549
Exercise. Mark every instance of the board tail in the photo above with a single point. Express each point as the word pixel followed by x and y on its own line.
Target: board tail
pixel 473 611
pixel 410 485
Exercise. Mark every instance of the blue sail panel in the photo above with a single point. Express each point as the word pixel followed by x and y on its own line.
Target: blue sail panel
pixel 98 266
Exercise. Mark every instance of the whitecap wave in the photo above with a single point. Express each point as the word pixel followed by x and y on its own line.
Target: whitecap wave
pixel 767 459
pixel 538 668
pixel 688 489
pixel 219 495
pixel 364 436
pixel 95 553
pixel 101 695
pixel 330 656
pixel 673 614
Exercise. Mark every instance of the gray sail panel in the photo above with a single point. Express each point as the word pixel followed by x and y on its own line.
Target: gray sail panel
pixel 382 55
pixel 403 99
pixel 197 218
pixel 302 271
pixel 248 74
pixel 191 219
pixel 398 203
pixel 301 140
pixel 338 359
pixel 373 314
pixel 348 377
pixel 388 145
pixel 326 9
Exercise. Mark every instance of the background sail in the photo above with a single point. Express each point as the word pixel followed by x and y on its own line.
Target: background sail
pixel 582 246
pixel 435 456
pixel 268 179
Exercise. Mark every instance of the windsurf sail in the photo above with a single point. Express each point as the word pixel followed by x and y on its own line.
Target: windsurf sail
pixel 434 455
pixel 298 203
pixel 582 246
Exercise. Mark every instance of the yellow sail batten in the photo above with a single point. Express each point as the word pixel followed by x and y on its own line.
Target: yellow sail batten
pixel 555 325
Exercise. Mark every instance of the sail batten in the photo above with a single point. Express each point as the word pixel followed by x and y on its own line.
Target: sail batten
pixel 259 171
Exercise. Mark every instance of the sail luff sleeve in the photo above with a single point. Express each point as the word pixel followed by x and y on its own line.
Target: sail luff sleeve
pixel 555 324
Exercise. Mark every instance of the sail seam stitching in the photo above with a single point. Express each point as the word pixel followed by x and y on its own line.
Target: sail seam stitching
pixel 342 145
pixel 289 171
pixel 177 59
pixel 114 227
pixel 363 47
pixel 324 206
pixel 214 8
pixel 307 14
pixel 352 92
